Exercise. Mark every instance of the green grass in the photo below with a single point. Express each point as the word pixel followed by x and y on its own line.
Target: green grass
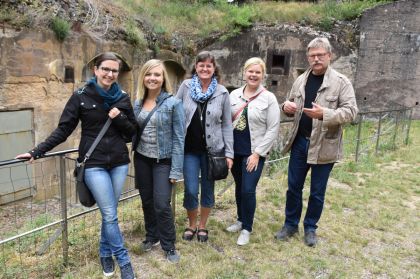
pixel 369 229
pixel 196 20
pixel 11 17
pixel 134 35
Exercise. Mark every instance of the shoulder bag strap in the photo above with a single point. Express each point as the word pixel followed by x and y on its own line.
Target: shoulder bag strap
pixel 141 129
pixel 244 105
pixel 97 140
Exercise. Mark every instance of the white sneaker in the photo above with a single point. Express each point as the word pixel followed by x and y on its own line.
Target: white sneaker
pixel 235 227
pixel 243 238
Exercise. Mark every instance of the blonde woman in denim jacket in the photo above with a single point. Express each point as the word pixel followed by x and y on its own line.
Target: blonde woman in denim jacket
pixel 256 120
pixel 158 155
pixel 208 127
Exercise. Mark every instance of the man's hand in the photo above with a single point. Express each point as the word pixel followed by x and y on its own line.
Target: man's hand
pixel 316 112
pixel 289 107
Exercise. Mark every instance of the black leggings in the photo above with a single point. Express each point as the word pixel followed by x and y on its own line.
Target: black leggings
pixel 152 180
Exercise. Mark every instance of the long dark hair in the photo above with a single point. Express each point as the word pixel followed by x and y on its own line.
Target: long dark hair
pixel 203 56
pixel 107 56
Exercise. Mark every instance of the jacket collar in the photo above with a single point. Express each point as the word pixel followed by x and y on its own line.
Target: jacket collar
pixel 325 83
pixel 260 89
pixel 162 95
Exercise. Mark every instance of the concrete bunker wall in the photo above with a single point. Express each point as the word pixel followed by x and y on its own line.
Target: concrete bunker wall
pixel 388 68
pixel 283 48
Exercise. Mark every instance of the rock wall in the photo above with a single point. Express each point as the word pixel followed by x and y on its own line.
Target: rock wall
pixel 33 74
pixel 388 68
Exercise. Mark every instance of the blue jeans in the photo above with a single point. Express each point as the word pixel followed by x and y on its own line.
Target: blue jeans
pixel 246 183
pixel 194 163
pixel 106 186
pixel 298 169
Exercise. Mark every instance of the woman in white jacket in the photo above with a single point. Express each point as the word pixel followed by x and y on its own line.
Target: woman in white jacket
pixel 256 120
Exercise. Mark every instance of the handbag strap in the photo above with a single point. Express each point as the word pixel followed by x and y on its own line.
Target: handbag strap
pixel 143 125
pixel 244 105
pixel 97 140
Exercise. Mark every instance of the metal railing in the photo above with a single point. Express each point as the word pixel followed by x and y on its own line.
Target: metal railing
pixel 42 234
pixel 378 131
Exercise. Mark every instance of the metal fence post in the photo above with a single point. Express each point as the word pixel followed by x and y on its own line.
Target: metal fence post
pixel 408 127
pixel 397 113
pixel 359 130
pixel 378 133
pixel 63 197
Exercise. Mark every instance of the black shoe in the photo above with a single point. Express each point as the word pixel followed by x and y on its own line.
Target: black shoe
pixel 190 235
pixel 172 256
pixel 108 266
pixel 127 272
pixel 285 233
pixel 147 245
pixel 310 238
pixel 204 236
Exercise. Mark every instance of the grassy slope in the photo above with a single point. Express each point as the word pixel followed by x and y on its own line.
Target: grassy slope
pixel 198 21
pixel 369 229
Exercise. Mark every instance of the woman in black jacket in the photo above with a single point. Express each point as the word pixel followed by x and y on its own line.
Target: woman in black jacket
pixel 106 170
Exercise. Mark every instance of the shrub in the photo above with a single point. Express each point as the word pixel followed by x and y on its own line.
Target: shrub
pixel 60 27
pixel 134 35
pixel 326 23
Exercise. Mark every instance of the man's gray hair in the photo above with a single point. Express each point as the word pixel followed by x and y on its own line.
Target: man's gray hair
pixel 320 42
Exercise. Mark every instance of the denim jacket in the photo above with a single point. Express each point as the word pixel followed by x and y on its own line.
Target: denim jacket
pixel 170 131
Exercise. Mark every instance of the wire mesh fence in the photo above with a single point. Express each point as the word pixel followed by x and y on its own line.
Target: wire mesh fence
pixel 49 230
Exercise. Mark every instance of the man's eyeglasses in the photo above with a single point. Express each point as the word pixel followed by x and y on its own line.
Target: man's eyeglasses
pixel 106 70
pixel 319 55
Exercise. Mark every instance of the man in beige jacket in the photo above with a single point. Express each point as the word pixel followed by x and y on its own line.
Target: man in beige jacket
pixel 321 101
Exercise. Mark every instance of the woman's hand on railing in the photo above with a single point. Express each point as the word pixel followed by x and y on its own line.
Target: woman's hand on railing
pixel 25 156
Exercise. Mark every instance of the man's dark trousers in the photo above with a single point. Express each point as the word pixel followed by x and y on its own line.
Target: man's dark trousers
pixel 298 169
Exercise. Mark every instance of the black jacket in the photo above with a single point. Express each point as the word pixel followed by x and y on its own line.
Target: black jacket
pixel 87 105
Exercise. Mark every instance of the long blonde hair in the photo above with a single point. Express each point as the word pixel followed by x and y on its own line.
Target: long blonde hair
pixel 141 89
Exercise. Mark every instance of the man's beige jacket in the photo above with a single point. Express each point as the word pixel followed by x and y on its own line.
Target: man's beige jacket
pixel 336 95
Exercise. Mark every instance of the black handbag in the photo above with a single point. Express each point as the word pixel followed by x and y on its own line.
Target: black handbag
pixel 85 196
pixel 217 167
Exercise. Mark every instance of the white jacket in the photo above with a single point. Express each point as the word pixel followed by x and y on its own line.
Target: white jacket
pixel 263 119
